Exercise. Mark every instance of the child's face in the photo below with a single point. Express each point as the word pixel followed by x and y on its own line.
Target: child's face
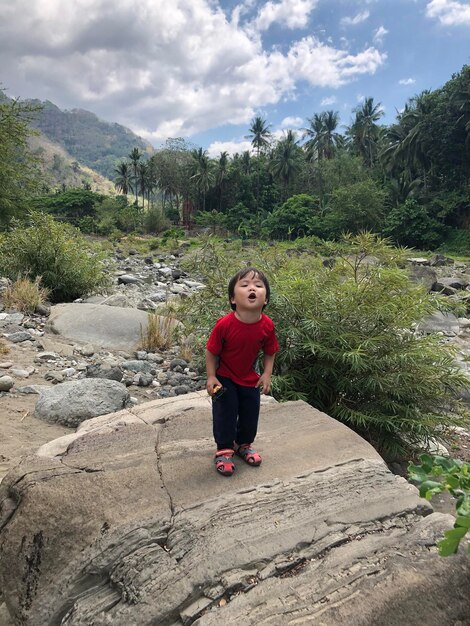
pixel 249 293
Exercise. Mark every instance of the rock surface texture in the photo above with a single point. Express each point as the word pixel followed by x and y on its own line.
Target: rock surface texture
pixel 126 522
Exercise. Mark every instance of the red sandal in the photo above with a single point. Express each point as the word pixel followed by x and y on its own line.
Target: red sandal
pixel 223 462
pixel 250 456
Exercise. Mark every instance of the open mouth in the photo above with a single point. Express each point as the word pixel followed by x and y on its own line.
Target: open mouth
pixel 252 297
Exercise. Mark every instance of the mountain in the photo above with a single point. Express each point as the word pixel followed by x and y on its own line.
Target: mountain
pixel 59 168
pixel 92 142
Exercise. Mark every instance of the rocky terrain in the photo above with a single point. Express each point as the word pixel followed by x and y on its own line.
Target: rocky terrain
pixel 77 361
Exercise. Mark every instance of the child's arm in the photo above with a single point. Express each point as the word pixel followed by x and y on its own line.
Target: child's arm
pixel 265 379
pixel 211 366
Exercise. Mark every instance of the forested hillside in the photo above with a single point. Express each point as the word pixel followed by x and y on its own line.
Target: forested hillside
pixel 89 140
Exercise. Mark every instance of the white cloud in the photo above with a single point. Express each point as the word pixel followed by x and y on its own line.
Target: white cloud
pixel 231 147
pixel 449 12
pixel 327 101
pixel 166 69
pixel 357 19
pixel 325 66
pixel 291 122
pixel 289 13
pixel 407 81
pixel 379 35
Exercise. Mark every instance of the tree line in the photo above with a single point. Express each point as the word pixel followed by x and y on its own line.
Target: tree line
pixel 408 180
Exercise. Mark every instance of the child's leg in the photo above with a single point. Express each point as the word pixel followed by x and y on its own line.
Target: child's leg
pixel 248 414
pixel 224 415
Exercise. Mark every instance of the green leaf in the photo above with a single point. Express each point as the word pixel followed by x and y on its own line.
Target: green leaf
pixel 450 544
pixel 452 481
pixel 416 472
pixel 463 508
pixel 464 522
pixel 429 487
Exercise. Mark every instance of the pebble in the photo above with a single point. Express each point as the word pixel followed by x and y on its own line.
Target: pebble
pixel 6 383
pixel 20 373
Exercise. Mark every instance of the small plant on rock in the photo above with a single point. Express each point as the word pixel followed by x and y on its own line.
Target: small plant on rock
pixel 437 474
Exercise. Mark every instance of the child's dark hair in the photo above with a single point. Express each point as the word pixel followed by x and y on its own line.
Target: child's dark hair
pixel 241 274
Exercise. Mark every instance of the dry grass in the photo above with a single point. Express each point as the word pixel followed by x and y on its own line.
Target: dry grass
pixel 187 348
pixel 160 333
pixel 25 295
pixel 4 349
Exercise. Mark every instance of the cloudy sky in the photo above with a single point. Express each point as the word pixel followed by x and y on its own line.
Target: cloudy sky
pixel 201 69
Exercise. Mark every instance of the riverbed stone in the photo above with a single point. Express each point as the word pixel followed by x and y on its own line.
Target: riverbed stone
pixel 71 403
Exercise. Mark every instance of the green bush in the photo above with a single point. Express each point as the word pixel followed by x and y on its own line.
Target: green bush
pixel 55 252
pixel 410 225
pixel 291 219
pixel 155 221
pixel 347 341
pixel 456 242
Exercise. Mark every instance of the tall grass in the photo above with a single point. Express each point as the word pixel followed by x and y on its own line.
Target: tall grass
pixel 25 295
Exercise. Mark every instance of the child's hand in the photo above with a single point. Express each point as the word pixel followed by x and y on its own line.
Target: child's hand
pixel 264 383
pixel 212 381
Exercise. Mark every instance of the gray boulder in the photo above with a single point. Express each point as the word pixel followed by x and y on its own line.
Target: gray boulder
pixel 126 522
pixel 71 403
pixel 423 275
pixel 111 327
pixel 446 323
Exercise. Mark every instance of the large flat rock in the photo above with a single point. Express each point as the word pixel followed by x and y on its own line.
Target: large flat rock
pixel 126 522
pixel 114 328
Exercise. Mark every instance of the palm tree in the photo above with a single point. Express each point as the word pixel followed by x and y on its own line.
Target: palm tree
pixel 246 162
pixel 364 132
pixel 123 181
pixel 331 139
pixel 222 167
pixel 260 136
pixel 313 147
pixel 203 173
pixel 286 160
pixel 134 157
pixel 323 140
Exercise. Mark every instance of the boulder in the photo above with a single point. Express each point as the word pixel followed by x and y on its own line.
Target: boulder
pixel 422 275
pixel 446 323
pixel 72 402
pixel 111 327
pixel 126 522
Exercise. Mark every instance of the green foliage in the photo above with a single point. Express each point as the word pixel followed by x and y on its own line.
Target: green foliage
pixel 347 341
pixel 73 204
pixel 410 225
pixel 456 242
pixel 436 474
pixel 353 208
pixel 55 252
pixel 292 219
pixel 172 234
pixel 154 220
pixel 19 176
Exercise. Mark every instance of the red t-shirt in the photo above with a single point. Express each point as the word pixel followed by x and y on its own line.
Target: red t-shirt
pixel 238 344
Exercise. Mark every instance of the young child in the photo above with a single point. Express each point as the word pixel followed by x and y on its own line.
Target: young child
pixel 231 354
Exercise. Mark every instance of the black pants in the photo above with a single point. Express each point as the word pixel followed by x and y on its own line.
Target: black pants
pixel 235 414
